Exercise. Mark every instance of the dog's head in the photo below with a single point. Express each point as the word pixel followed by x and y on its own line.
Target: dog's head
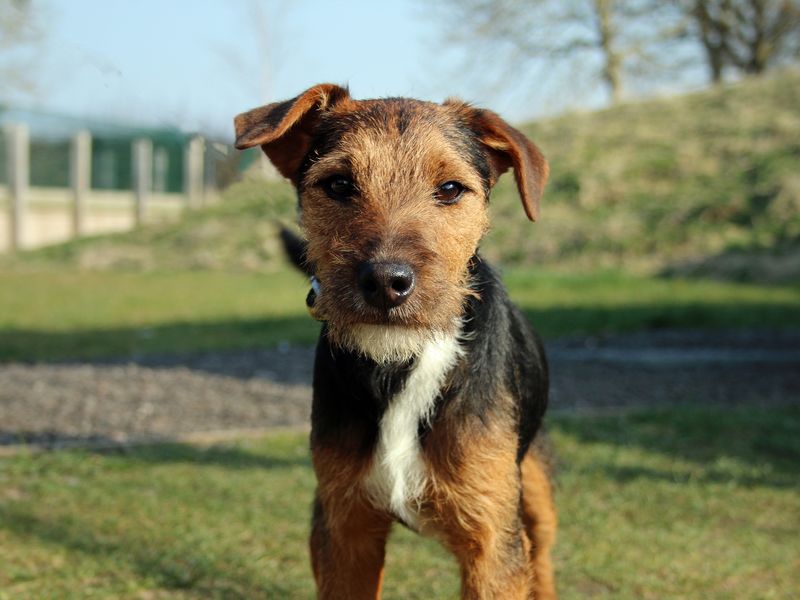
pixel 393 200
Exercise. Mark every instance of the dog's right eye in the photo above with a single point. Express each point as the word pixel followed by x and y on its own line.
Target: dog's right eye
pixel 339 187
pixel 449 192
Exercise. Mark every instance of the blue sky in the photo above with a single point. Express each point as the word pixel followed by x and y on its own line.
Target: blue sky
pixel 197 63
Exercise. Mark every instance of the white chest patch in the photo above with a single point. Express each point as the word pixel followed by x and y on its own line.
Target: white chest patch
pixel 396 479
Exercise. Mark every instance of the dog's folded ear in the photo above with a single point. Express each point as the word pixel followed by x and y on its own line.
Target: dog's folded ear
pixel 284 130
pixel 509 148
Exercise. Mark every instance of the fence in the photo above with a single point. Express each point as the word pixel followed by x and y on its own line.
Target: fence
pixel 82 186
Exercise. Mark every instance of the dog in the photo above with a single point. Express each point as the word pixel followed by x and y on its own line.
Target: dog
pixel 429 385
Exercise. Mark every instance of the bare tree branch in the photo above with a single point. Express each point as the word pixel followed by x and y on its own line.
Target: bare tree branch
pixel 605 40
pixel 748 36
pixel 21 33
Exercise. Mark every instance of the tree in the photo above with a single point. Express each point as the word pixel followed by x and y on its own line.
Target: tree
pixel 628 45
pixel 20 34
pixel 748 36
pixel 606 39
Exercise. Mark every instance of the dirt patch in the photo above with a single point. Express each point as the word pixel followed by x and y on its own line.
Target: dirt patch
pixel 756 367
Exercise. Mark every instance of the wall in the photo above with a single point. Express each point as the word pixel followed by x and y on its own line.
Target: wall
pixel 48 214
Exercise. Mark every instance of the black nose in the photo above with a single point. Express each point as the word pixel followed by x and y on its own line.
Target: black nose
pixel 385 285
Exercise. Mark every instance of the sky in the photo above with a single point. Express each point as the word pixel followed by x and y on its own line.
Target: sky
pixel 198 63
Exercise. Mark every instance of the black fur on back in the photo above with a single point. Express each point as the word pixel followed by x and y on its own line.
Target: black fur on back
pixel 295 248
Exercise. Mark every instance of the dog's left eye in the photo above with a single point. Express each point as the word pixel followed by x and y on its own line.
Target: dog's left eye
pixel 339 187
pixel 449 192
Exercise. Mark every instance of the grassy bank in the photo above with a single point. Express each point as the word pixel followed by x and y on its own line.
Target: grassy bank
pixel 682 503
pixel 77 314
pixel 705 183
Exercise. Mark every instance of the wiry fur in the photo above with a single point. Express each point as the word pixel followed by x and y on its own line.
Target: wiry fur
pixel 424 409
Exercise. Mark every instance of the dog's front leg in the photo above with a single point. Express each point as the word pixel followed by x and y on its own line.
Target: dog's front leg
pixel 348 546
pixel 539 516
pixel 475 494
pixel 494 564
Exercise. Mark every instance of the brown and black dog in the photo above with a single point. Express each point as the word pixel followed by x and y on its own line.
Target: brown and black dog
pixel 429 387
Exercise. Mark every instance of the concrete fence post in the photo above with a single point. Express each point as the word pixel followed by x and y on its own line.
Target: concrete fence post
pixel 18 157
pixel 142 176
pixel 193 163
pixel 80 175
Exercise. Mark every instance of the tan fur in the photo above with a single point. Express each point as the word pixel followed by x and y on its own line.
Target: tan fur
pixel 539 516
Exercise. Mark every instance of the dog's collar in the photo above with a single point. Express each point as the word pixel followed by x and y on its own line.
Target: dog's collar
pixel 311 299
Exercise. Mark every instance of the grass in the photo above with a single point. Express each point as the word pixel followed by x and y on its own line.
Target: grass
pixel 68 314
pixel 678 503
pixel 46 315
pixel 561 304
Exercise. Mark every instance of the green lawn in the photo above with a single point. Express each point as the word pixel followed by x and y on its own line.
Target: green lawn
pixel 73 314
pixel 66 314
pixel 679 503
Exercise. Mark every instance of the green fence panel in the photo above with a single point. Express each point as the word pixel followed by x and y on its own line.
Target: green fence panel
pixel 49 164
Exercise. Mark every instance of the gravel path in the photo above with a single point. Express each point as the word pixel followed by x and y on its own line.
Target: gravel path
pixel 163 397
